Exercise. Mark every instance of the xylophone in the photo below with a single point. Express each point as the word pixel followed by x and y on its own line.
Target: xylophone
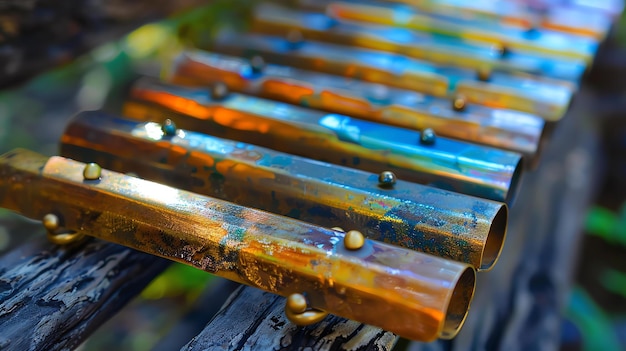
pixel 359 158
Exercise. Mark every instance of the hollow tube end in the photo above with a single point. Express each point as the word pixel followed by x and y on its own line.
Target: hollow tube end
pixel 495 239
pixel 459 304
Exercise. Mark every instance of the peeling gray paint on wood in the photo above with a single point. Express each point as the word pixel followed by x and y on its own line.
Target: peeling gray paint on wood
pixel 255 320
pixel 52 297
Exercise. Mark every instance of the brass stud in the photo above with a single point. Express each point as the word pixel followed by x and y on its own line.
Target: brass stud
pixel 257 64
pixel 483 73
pixel 169 127
pixel 499 50
pixel 219 91
pixel 51 222
pixel 428 137
pixel 298 312
pixel 92 171
pixel 386 179
pixel 459 103
pixel 296 303
pixel 353 240
pixel 295 38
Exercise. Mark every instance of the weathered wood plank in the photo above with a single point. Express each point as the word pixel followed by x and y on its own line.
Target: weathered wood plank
pixel 52 297
pixel 254 320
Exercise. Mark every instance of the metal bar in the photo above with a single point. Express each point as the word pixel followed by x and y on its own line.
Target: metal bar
pixel 538 40
pixel 567 17
pixel 505 129
pixel 273 19
pixel 426 219
pixel 545 97
pixel 421 297
pixel 449 164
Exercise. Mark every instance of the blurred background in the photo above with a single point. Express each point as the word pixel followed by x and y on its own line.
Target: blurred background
pixel 61 57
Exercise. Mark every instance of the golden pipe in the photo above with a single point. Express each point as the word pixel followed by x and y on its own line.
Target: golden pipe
pixel 414 295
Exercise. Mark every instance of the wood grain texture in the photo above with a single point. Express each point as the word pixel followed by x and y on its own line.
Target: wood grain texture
pixel 52 297
pixel 255 320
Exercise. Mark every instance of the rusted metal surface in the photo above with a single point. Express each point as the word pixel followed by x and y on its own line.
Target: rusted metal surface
pixel 423 297
pixel 427 219
pixel 506 129
pixel 546 97
pixel 453 165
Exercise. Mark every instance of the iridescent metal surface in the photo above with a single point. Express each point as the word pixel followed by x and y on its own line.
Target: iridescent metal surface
pixel 421 297
pixel 449 164
pixel 586 18
pixel 539 40
pixel 506 129
pixel 542 96
pixel 426 219
pixel 273 19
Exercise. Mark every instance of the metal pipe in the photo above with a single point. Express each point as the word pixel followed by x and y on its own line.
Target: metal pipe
pixel 444 163
pixel 505 129
pixel 438 222
pixel 548 98
pixel 274 19
pixel 415 295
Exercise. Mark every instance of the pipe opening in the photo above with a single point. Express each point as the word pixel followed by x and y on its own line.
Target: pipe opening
pixel 495 238
pixel 459 303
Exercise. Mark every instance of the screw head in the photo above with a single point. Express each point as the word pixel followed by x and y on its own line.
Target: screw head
pixel 92 171
pixel 296 303
pixel 386 179
pixel 219 91
pixel 354 240
pixel 338 229
pixel 257 64
pixel 459 103
pixel 51 222
pixel 428 136
pixel 168 127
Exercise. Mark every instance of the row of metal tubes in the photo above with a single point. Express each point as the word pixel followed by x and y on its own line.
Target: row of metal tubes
pixel 449 164
pixel 438 222
pixel 273 19
pixel 453 118
pixel 547 98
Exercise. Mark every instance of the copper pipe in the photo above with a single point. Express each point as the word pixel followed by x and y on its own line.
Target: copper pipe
pixel 415 295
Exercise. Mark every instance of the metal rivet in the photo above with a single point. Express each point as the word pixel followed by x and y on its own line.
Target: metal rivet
pixel 92 171
pixel 499 50
pixel 298 312
pixel 219 91
pixel 483 73
pixel 353 240
pixel 386 178
pixel 428 136
pixel 51 222
pixel 257 64
pixel 168 127
pixel 339 229
pixel 296 303
pixel 294 39
pixel 458 103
